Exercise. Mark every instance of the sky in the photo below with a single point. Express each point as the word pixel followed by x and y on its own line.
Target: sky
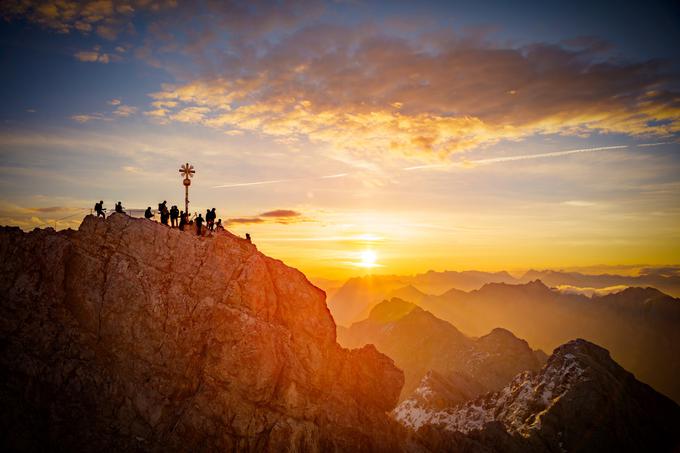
pixel 355 137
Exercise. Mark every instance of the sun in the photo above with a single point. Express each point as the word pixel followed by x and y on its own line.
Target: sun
pixel 368 258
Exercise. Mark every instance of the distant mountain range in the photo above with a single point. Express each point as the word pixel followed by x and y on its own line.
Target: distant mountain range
pixel 419 343
pixel 353 300
pixel 638 325
pixel 580 401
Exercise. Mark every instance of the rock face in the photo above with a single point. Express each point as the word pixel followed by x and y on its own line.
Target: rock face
pixel 128 335
pixel 419 342
pixel 580 401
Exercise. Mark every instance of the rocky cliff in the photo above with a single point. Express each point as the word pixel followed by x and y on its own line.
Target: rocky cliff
pixel 128 335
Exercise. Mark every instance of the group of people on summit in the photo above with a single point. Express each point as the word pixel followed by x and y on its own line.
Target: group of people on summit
pixel 178 219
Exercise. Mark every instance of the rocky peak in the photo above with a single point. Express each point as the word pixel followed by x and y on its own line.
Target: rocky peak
pixel 128 335
pixel 581 400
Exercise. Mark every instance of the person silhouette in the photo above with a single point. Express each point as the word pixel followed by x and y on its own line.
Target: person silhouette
pixel 199 224
pixel 174 215
pixel 148 214
pixel 218 225
pixel 182 220
pixel 248 237
pixel 99 209
pixel 119 208
pixel 211 222
pixel 165 214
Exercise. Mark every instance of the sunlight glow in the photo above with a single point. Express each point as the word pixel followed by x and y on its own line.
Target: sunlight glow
pixel 368 259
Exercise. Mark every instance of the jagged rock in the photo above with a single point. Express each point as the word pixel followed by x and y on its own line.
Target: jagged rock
pixel 581 401
pixel 128 335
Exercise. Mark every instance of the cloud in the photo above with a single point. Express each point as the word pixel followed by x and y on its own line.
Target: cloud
pixel 667 271
pixel 281 213
pixel 282 216
pixel 108 18
pixel 85 118
pixel 371 92
pixel 590 291
pixel 121 111
pixel 290 72
pixel 579 203
pixel 96 56
pixel 92 57
pixel 124 111
pixel 245 220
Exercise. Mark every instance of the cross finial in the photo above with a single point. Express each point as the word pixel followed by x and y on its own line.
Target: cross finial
pixel 187 170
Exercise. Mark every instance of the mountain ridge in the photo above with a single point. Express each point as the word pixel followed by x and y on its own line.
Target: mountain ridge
pixel 581 400
pixel 420 342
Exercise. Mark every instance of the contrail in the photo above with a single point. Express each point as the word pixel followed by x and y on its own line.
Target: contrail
pixel 644 145
pixel 542 155
pixel 496 160
pixel 460 164
pixel 254 183
pixel 277 181
pixel 423 167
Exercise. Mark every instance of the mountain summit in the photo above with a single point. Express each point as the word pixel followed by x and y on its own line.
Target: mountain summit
pixel 127 335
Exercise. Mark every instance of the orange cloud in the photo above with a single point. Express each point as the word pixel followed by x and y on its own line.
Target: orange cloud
pixel 372 93
pixel 106 17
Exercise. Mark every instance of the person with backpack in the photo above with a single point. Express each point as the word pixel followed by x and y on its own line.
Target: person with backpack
pixel 99 209
pixel 119 208
pixel 148 214
pixel 165 215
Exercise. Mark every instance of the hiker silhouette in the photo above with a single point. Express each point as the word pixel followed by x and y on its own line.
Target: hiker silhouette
pixel 165 214
pixel 99 209
pixel 248 237
pixel 182 220
pixel 218 225
pixel 208 215
pixel 119 208
pixel 211 222
pixel 148 214
pixel 199 224
pixel 174 215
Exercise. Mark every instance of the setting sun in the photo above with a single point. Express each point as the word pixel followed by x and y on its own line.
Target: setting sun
pixel 368 259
